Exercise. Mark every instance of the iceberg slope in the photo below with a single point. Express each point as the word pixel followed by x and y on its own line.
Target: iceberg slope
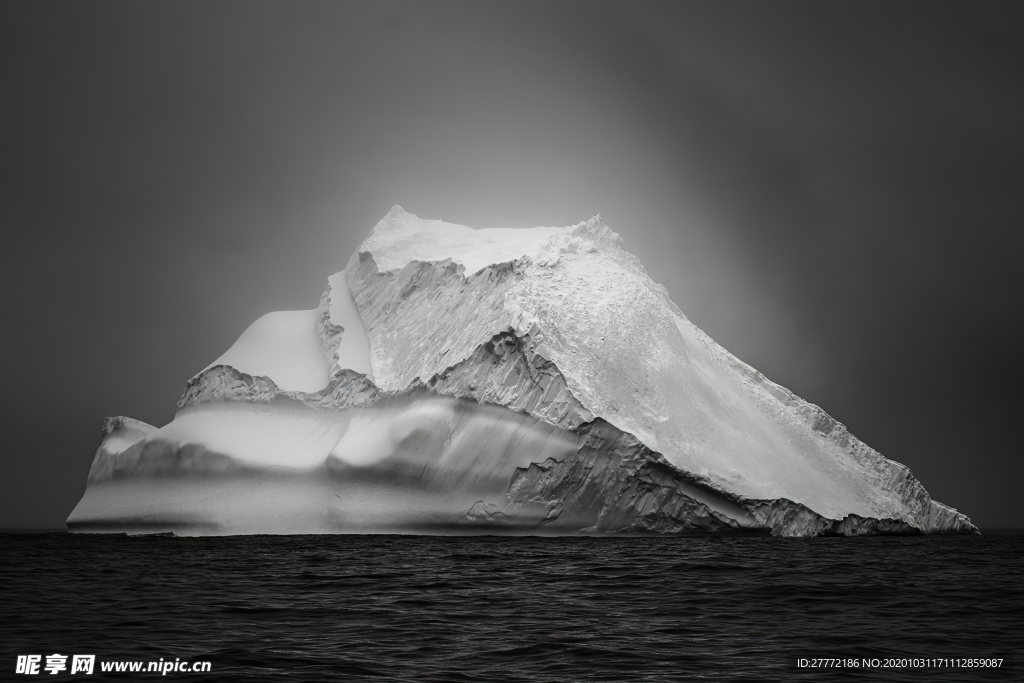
pixel 526 381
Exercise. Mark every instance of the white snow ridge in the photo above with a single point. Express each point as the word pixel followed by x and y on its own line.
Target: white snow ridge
pixel 454 380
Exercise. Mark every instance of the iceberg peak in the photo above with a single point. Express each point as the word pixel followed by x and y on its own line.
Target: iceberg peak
pixel 402 237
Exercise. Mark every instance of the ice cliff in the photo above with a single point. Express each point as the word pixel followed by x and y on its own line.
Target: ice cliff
pixel 454 380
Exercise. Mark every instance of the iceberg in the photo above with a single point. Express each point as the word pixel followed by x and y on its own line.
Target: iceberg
pixel 499 381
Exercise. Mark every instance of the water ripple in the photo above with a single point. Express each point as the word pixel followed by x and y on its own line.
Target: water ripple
pixel 415 608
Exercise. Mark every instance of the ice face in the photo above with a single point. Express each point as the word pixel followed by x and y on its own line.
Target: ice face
pixel 533 381
pixel 349 349
pixel 404 464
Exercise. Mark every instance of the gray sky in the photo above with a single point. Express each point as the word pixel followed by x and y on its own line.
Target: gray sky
pixel 832 191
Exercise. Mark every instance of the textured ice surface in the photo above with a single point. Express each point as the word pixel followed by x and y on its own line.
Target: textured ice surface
pixel 532 381
pixel 410 463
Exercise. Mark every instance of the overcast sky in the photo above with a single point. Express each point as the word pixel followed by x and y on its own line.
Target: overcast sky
pixel 832 191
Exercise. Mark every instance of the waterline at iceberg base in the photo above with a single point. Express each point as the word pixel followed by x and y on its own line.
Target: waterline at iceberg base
pixel 499 381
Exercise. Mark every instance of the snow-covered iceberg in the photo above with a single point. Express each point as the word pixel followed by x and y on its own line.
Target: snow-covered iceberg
pixel 454 380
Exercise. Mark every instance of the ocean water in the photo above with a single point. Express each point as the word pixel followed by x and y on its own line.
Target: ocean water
pixel 491 609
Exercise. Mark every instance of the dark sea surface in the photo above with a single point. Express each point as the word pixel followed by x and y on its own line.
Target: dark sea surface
pixel 421 608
